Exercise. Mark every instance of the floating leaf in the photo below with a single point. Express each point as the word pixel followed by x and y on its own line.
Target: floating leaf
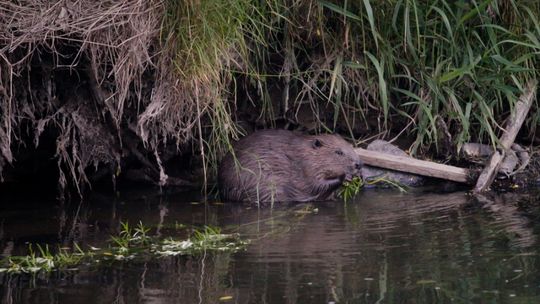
pixel 225 298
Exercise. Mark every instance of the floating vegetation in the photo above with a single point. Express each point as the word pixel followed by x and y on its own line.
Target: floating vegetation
pixel 306 209
pixel 387 182
pixel 209 238
pixel 129 244
pixel 351 188
pixel 42 260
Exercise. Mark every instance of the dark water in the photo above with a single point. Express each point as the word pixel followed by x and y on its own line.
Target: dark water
pixel 384 247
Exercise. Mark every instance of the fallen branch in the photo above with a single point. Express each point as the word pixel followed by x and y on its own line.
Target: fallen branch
pixel 416 166
pixel 507 139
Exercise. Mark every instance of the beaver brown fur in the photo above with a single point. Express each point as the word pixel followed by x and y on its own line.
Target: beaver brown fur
pixel 284 166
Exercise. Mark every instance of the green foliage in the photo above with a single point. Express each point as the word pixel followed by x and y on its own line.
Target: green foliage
pixel 350 189
pixel 464 61
pixel 209 238
pixel 42 260
pixel 128 237
pixel 130 243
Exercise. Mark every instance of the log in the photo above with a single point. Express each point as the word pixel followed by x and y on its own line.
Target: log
pixel 512 127
pixel 416 166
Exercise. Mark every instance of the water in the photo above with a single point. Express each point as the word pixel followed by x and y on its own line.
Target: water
pixel 384 247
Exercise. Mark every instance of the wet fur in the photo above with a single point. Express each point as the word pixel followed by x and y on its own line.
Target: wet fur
pixel 283 166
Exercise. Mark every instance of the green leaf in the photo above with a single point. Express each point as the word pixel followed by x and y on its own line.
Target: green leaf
pixel 339 10
pixel 379 66
pixel 472 13
pixel 371 20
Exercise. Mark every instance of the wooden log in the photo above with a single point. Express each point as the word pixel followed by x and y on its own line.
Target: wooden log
pixel 416 166
pixel 512 127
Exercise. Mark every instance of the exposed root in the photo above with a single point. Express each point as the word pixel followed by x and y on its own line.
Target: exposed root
pixel 109 48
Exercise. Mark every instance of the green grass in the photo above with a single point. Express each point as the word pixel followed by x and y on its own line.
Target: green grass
pixel 350 189
pixel 207 41
pixel 129 244
pixel 466 62
pixel 42 260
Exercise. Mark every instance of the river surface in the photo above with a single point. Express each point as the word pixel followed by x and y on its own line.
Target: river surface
pixel 383 247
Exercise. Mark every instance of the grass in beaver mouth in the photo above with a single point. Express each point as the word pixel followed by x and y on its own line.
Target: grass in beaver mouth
pixel 351 188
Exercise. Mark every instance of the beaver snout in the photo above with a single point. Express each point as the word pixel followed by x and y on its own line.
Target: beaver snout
pixel 356 168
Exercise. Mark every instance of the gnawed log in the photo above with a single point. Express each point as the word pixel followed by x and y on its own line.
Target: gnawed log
pixel 416 166
pixel 511 129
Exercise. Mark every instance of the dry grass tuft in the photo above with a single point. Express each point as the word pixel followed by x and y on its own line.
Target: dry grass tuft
pixel 108 44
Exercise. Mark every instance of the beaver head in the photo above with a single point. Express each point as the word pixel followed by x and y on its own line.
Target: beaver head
pixel 329 160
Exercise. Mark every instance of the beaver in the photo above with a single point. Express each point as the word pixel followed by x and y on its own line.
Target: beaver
pixel 285 166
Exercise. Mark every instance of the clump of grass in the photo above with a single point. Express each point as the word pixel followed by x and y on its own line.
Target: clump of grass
pixel 130 243
pixel 42 260
pixel 350 189
pixel 204 42
pixel 209 238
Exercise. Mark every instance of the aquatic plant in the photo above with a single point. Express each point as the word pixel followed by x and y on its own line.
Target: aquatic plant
pixel 351 188
pixel 129 244
pixel 42 260
pixel 131 237
pixel 209 238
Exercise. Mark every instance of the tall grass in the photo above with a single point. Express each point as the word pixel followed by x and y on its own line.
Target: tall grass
pixel 410 62
pixel 206 41
pixel 463 61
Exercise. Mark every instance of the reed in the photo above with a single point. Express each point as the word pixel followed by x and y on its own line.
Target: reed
pixel 464 62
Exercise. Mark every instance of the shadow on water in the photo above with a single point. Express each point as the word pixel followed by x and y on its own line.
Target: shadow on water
pixel 384 247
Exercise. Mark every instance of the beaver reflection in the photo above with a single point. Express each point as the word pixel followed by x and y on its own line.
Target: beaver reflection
pixel 284 166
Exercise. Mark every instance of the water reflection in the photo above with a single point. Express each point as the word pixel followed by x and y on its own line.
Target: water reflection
pixel 384 247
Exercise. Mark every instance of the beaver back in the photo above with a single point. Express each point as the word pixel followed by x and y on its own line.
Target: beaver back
pixel 284 166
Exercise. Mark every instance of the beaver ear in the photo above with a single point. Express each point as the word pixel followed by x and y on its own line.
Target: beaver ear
pixel 316 144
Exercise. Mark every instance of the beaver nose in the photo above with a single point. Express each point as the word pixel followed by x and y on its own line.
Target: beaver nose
pixel 358 165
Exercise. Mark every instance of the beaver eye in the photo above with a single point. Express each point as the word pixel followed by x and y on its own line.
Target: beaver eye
pixel 339 152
